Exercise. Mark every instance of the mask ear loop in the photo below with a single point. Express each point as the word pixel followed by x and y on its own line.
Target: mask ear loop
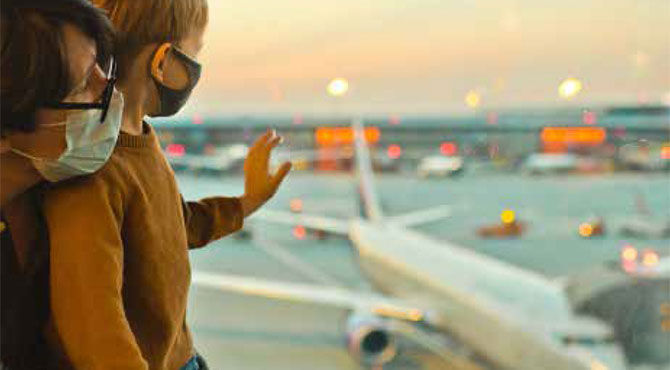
pixel 26 155
pixel 158 58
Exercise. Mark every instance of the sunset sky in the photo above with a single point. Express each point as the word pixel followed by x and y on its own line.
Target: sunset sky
pixel 424 56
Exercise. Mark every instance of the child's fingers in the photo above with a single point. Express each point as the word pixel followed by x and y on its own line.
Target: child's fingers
pixel 273 142
pixel 281 174
pixel 261 140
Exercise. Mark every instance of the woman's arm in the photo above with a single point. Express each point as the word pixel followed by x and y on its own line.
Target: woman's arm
pixel 84 221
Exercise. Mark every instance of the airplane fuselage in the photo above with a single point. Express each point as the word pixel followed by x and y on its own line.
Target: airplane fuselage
pixel 508 315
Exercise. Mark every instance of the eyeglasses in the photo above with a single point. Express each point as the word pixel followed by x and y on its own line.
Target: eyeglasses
pixel 104 100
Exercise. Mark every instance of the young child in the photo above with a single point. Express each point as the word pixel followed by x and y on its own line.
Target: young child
pixel 119 238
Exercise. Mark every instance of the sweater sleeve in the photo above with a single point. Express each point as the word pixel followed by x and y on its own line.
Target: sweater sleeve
pixel 211 218
pixel 84 220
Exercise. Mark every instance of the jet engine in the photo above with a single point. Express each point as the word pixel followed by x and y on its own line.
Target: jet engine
pixel 369 339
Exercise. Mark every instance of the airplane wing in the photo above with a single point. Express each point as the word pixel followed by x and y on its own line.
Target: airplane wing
pixel 310 294
pixel 421 216
pixel 402 316
pixel 328 224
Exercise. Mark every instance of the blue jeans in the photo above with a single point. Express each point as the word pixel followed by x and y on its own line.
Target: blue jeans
pixel 195 363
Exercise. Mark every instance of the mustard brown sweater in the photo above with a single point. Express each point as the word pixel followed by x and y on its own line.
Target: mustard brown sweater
pixel 120 271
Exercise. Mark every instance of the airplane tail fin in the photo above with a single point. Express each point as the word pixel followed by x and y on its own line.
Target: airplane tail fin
pixel 370 206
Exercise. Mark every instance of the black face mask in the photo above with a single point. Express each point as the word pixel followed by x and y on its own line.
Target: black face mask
pixel 171 100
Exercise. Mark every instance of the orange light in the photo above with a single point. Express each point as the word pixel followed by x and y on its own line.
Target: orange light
pixel 586 230
pixel 573 135
pixel 299 232
pixel 650 258
pixel 665 152
pixel 175 150
pixel 296 205
pixel 629 253
pixel 664 309
pixel 394 151
pixel 330 136
pixel 448 148
pixel 665 325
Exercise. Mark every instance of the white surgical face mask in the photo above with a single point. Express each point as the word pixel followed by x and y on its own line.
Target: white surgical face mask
pixel 90 142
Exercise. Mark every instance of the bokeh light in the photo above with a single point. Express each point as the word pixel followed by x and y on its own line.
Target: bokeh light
pixel 665 152
pixel 296 205
pixel 650 258
pixel 586 230
pixel 448 148
pixel 569 88
pixel 299 232
pixel 175 150
pixel 589 117
pixel 473 99
pixel 507 216
pixel 394 151
pixel 338 87
pixel 629 253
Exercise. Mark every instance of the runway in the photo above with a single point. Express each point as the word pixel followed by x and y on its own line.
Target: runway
pixel 235 332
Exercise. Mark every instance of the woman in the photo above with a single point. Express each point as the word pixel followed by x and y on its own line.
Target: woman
pixel 57 122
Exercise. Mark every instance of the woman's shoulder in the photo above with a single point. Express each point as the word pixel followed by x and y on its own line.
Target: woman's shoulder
pixel 108 185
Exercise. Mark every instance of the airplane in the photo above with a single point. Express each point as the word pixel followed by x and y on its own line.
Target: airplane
pixel 226 159
pixel 644 156
pixel 494 315
pixel 440 166
pixel 643 225
pixel 543 163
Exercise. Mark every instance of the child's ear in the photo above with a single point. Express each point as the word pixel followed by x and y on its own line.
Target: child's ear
pixel 158 61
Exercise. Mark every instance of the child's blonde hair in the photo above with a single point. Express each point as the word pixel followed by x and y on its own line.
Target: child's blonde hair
pixel 142 22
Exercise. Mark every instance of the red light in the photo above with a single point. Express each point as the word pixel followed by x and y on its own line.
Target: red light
pixel 175 150
pixel 629 254
pixel 197 119
pixel 448 148
pixel 589 117
pixel 299 232
pixel 665 152
pixel 394 151
pixel 297 119
pixel 629 266
pixel 296 205
pixel 492 118
pixel 619 131
pixel 394 120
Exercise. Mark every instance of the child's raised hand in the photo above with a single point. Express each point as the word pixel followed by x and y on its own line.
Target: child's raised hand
pixel 259 184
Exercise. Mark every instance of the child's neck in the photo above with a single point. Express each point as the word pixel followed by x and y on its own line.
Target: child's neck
pixel 132 121
pixel 134 96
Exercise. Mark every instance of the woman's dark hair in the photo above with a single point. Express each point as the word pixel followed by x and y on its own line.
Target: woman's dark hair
pixel 34 62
